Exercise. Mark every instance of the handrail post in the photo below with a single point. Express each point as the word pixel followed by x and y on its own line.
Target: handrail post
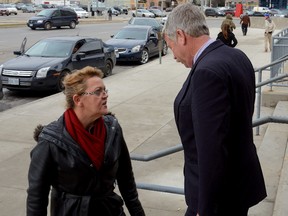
pixel 258 100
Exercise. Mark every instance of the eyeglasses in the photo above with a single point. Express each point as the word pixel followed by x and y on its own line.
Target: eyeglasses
pixel 97 92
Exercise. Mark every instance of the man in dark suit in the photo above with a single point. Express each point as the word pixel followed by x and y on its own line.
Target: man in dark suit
pixel 213 113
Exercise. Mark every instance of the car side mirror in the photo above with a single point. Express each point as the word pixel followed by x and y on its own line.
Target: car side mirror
pixel 17 53
pixel 79 56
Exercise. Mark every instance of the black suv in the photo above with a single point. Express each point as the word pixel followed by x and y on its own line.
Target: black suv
pixel 54 17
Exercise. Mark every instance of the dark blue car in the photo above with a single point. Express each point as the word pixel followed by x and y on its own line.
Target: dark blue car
pixel 138 43
pixel 43 66
pixel 53 17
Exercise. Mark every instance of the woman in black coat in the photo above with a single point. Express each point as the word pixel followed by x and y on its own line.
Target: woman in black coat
pixel 226 36
pixel 81 156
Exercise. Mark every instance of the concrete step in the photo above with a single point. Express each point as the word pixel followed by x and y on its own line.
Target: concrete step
pixel 273 158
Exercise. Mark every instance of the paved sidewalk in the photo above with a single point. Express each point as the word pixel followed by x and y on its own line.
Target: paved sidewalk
pixel 142 99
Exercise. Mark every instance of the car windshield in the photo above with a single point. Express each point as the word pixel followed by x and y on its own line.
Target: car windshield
pixel 45 13
pixel 132 34
pixel 51 48
pixel 146 22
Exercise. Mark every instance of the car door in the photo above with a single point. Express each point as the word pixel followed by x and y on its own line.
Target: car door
pixel 91 53
pixel 153 42
pixel 66 17
pixel 56 18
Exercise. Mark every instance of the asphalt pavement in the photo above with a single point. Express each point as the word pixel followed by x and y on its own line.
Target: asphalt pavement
pixel 142 99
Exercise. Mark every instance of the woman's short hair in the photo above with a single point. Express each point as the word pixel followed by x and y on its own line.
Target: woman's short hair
pixel 75 83
pixel 188 18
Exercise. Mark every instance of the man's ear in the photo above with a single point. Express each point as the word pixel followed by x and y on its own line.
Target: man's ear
pixel 181 36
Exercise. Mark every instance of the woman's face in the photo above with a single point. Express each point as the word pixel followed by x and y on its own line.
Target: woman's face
pixel 94 100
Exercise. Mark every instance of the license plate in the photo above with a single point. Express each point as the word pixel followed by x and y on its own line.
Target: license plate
pixel 30 25
pixel 13 81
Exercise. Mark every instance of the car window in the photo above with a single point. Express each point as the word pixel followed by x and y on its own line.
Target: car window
pixel 56 13
pixel 51 48
pixel 145 22
pixel 67 13
pixel 92 47
pixel 132 34
pixel 45 13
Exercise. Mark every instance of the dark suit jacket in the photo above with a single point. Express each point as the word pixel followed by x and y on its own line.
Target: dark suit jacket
pixel 213 113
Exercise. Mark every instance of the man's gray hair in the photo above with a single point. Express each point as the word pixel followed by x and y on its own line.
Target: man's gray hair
pixel 188 18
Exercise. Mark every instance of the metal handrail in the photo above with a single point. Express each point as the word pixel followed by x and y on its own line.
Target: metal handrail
pixel 174 149
pixel 256 123
pixel 269 81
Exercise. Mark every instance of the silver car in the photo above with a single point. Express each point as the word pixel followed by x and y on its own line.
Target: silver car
pixel 142 13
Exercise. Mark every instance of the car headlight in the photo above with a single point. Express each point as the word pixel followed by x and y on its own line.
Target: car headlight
pixel 42 72
pixel 136 48
pixel 40 21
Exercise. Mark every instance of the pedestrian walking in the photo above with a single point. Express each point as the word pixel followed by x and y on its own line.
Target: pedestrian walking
pixel 81 156
pixel 269 29
pixel 245 23
pixel 226 36
pixel 229 20
pixel 213 113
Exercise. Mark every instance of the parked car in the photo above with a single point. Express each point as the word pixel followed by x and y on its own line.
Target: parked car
pixel 142 13
pixel 146 21
pixel 3 10
pixel 163 20
pixel 19 5
pixel 214 12
pixel 43 66
pixel 258 14
pixel 277 13
pixel 54 17
pixel 11 9
pixel 28 9
pixel 137 43
pixel 113 11
pixel 229 11
pixel 248 12
pixel 122 10
pixel 157 12
pixel 81 13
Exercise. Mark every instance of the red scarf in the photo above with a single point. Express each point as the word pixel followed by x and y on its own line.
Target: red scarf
pixel 91 143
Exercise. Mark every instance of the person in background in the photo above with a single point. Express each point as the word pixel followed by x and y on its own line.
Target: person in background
pixel 229 20
pixel 213 113
pixel 81 156
pixel 245 22
pixel 269 29
pixel 226 36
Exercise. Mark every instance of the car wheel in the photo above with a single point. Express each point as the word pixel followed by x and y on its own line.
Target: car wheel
pixel 72 25
pixel 143 15
pixel 59 84
pixel 165 49
pixel 108 68
pixel 33 28
pixel 47 26
pixel 144 56
pixel 58 27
